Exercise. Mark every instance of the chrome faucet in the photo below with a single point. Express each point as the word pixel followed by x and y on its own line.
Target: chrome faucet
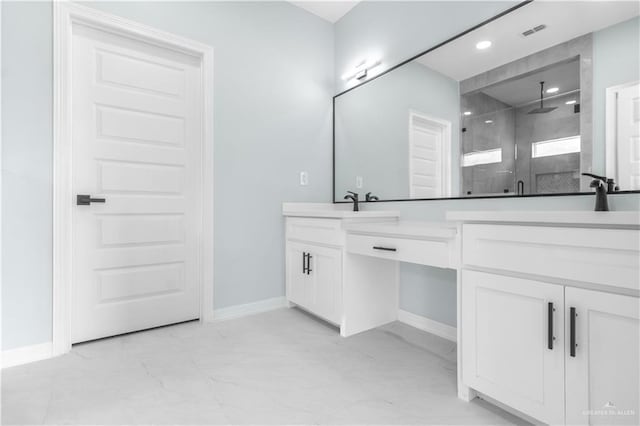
pixel 353 196
pixel 599 182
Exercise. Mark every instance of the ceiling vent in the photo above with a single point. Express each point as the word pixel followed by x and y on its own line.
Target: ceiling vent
pixel 534 30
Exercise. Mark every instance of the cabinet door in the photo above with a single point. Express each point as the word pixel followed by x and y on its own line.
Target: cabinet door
pixel 602 372
pixel 506 352
pixel 326 274
pixel 298 281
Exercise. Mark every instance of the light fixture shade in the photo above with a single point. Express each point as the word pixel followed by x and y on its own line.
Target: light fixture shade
pixel 361 70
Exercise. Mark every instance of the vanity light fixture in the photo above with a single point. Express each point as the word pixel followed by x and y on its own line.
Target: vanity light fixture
pixel 484 44
pixel 361 70
pixel 552 89
pixel 488 121
pixel 467 113
pixel 571 102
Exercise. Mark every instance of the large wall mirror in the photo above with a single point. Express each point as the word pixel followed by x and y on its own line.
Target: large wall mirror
pixel 522 105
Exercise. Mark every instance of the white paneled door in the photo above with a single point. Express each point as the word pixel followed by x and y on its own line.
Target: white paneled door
pixel 136 141
pixel 628 137
pixel 429 156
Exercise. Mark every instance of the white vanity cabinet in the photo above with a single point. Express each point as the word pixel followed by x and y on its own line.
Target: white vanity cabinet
pixel 549 315
pixel 354 293
pixel 603 372
pixel 342 266
pixel 506 325
pixel 314 279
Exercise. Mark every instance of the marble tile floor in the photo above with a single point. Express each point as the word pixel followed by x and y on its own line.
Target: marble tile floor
pixel 280 367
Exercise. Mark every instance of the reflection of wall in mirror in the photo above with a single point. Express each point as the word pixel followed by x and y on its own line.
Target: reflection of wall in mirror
pixel 616 53
pixel 372 132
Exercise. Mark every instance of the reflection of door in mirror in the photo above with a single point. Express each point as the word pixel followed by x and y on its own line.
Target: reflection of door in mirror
pixel 623 135
pixel 429 156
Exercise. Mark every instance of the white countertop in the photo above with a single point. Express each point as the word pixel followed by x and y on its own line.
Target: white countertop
pixel 406 229
pixel 337 211
pixel 630 219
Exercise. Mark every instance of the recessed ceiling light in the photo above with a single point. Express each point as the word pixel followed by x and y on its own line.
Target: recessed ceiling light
pixel 571 102
pixel 552 90
pixel 488 121
pixel 485 44
pixel 467 113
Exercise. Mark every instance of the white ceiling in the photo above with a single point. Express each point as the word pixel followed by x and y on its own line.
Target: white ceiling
pixel 330 10
pixel 565 20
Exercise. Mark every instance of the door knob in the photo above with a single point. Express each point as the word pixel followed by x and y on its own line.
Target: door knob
pixel 85 200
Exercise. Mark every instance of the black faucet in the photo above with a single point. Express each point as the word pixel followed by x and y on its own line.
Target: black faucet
pixel 353 197
pixel 599 183
pixel 371 197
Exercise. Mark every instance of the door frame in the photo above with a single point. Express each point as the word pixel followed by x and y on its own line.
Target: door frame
pixel 446 127
pixel 65 15
pixel 611 130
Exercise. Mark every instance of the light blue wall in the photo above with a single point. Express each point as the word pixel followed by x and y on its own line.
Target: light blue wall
pixel 273 82
pixel 399 30
pixel 26 173
pixel 616 60
pixel 372 129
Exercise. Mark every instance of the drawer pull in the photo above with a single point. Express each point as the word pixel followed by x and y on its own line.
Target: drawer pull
pixel 550 325
pixel 384 248
pixel 304 262
pixel 572 332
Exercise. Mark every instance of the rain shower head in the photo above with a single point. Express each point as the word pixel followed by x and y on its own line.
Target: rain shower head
pixel 541 109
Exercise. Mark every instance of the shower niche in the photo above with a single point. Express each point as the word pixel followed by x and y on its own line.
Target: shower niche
pixel 522 135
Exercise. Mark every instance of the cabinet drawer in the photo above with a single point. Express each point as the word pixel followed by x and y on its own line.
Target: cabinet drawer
pixel 324 231
pixel 424 252
pixel 601 256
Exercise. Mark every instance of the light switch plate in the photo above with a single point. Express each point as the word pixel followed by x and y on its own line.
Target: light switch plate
pixel 304 178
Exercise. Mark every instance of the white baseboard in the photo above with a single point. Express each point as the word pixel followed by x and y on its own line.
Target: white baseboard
pixel 430 326
pixel 26 354
pixel 248 309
